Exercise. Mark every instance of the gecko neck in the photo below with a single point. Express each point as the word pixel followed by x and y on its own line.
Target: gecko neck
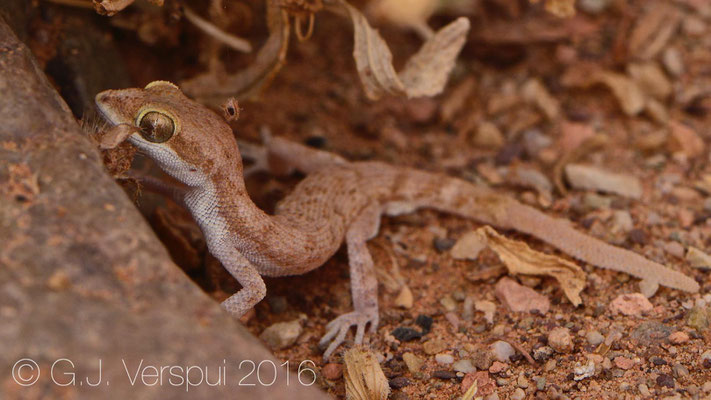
pixel 225 212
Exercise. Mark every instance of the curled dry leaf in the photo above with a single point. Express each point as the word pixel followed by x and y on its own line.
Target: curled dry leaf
pixel 111 7
pixel 364 378
pixel 115 135
pixel 521 259
pixel 425 74
pixel 627 92
pixel 216 85
pixel 653 30
pixel 411 14
pixel 559 8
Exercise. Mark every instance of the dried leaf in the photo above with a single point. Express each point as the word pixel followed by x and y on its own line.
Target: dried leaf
pixel 111 7
pixel 411 14
pixel 683 138
pixel 215 86
pixel 534 91
pixel 521 259
pixel 471 392
pixel 363 376
pixel 425 74
pixel 626 91
pixel 653 30
pixel 115 135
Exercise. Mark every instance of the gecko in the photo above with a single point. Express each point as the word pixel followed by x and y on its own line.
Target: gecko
pixel 337 202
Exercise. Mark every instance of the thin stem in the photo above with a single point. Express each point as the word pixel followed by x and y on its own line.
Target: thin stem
pixel 230 40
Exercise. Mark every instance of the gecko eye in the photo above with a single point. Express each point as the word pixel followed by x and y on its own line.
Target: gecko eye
pixel 156 127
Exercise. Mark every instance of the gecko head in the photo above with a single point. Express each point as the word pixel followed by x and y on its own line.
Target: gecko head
pixel 186 139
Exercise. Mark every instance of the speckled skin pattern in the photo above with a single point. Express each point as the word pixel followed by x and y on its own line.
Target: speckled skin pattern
pixel 338 201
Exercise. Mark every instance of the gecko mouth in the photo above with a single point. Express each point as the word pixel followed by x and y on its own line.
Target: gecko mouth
pixel 104 113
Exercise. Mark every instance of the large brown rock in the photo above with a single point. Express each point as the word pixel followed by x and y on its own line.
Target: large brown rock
pixel 83 278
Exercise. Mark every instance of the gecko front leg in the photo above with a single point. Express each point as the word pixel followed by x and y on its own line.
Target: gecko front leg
pixel 364 285
pixel 253 287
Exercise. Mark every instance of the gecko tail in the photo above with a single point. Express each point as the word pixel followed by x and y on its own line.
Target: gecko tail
pixel 563 236
pixel 463 198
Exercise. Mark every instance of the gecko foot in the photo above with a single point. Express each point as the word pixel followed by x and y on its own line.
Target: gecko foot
pixel 336 330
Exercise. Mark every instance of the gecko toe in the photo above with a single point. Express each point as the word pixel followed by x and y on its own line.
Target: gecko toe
pixel 337 329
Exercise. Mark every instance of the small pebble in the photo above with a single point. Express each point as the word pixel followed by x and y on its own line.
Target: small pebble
pixel 404 299
pixel 673 62
pixel 631 304
pixel 706 359
pixel 559 339
pixel 594 201
pixel 399 396
pixel 464 366
pixel 434 346
pixel 706 387
pixel 534 141
pixel 332 371
pixel 699 318
pixel 492 396
pixel 414 363
pixel 644 390
pixel 442 374
pixel 424 322
pixel 488 308
pixel 550 365
pixel 518 394
pixel 581 372
pixel 282 334
pixel 624 363
pixel 277 304
pixel 444 359
pixel 540 383
pixel 591 178
pixel 468 308
pixel 482 359
pixel 637 236
pixel 679 337
pixel 497 367
pixel 520 298
pixel 680 371
pixel 448 303
pixel 522 382
pixel 665 380
pixel 502 351
pixel 622 221
pixel 405 334
pixel 593 6
pixel 488 135
pixel 444 244
pixel 399 382
pixel 318 142
pixel 594 337
pixel 658 361
pixel 542 353
pixel 674 248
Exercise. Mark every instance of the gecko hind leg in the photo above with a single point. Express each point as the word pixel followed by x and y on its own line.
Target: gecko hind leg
pixel 364 285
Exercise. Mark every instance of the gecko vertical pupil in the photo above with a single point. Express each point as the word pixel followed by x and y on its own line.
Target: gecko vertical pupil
pixel 156 127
